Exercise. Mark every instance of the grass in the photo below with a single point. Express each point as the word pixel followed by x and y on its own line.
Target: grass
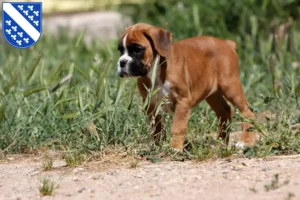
pixel 47 187
pixel 74 158
pixel 275 184
pixel 62 95
pixel 47 162
pixel 134 163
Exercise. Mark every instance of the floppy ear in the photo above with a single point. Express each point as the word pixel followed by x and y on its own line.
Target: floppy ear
pixel 160 39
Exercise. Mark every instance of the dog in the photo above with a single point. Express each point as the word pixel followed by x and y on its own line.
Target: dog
pixel 190 70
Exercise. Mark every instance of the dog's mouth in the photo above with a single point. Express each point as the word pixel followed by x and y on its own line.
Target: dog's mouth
pixel 123 74
pixel 141 72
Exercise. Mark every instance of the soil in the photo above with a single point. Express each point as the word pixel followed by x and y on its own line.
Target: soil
pixel 116 177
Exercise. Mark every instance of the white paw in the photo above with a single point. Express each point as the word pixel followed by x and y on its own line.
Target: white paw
pixel 176 150
pixel 240 145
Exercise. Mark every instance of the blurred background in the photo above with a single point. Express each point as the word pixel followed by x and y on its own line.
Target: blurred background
pixel 217 17
pixel 49 92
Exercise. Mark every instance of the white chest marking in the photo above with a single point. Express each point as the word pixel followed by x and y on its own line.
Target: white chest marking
pixel 162 87
pixel 163 94
pixel 165 88
pixel 124 57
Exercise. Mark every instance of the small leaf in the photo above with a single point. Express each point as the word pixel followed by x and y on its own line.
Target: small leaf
pixel 71 115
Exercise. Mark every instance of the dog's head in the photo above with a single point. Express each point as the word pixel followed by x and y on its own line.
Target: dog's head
pixel 138 46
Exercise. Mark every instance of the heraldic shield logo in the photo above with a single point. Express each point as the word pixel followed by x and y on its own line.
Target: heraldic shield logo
pixel 22 23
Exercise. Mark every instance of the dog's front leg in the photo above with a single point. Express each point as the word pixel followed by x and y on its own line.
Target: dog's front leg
pixel 155 120
pixel 156 123
pixel 179 125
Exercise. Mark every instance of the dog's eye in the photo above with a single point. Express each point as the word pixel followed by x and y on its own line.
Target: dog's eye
pixel 136 49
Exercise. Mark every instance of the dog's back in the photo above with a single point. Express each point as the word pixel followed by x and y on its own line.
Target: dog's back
pixel 206 43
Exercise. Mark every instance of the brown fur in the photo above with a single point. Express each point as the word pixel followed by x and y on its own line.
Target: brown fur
pixel 198 68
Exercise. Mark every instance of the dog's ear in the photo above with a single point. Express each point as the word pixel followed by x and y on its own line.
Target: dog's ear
pixel 160 39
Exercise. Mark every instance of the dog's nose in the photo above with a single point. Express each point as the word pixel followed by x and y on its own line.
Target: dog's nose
pixel 123 63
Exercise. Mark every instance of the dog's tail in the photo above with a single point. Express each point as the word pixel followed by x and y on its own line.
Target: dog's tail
pixel 231 43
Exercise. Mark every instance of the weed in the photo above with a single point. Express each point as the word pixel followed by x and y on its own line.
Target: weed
pixel 47 162
pixel 47 187
pixel 253 190
pixel 275 184
pixel 207 148
pixel 290 196
pixel 74 158
pixel 134 163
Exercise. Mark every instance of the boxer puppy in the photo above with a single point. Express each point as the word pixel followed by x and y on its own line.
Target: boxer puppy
pixel 190 70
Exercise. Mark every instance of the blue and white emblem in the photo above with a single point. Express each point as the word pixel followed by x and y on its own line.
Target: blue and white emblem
pixel 22 23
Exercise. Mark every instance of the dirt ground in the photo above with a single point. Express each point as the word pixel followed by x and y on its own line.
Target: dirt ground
pixel 111 178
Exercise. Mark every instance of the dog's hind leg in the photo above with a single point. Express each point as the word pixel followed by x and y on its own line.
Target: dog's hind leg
pixel 180 124
pixel 223 112
pixel 234 93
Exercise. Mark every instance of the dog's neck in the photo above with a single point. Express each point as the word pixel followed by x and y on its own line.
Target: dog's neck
pixel 157 71
pixel 157 77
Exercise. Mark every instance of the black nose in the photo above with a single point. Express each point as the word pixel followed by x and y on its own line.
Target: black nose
pixel 123 63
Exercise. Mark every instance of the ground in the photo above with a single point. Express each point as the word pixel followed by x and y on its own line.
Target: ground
pixel 119 178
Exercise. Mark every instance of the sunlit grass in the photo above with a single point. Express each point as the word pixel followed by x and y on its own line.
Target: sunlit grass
pixel 63 95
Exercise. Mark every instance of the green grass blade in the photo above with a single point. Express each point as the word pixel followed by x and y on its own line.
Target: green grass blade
pixel 80 102
pixel 64 101
pixel 71 115
pixel 55 71
pixel 2 112
pixel 33 68
pixel 34 90
pixel 11 83
pixel 80 38
pixel 61 83
pixel 82 73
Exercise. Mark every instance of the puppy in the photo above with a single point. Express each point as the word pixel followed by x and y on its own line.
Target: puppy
pixel 190 70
